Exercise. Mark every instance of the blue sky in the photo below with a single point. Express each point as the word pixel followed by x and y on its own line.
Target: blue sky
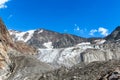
pixel 87 18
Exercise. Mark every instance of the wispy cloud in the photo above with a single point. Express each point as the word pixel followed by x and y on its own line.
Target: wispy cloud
pixel 10 16
pixel 77 28
pixel 65 30
pixel 101 30
pixel 93 31
pixel 3 3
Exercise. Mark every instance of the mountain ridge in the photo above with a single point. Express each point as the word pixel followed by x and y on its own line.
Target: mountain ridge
pixel 45 55
pixel 57 55
pixel 49 36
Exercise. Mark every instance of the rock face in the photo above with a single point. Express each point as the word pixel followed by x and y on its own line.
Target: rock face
pixel 25 48
pixel 115 35
pixel 5 46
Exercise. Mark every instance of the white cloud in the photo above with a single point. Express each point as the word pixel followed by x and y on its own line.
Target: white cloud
pixel 78 30
pixel 93 31
pixel 103 31
pixel 3 3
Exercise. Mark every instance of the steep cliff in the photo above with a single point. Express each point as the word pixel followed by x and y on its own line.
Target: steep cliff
pixel 5 46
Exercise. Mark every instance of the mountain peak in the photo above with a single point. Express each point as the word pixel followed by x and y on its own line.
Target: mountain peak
pixel 115 35
pixel 118 28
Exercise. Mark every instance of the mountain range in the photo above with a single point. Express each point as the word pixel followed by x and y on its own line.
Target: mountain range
pixel 47 55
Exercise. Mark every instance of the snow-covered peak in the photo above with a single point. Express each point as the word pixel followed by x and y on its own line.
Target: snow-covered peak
pixel 30 34
pixel 21 36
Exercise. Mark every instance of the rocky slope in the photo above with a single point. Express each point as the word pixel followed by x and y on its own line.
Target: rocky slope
pixel 108 70
pixel 26 67
pixel 115 35
pixel 5 46
pixel 16 60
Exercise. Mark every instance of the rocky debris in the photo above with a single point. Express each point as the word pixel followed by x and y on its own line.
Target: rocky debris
pixel 93 71
pixel 26 67
pixel 112 75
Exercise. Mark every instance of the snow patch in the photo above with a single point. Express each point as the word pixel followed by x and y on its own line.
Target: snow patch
pixel 19 36
pixel 84 43
pixel 100 41
pixel 48 45
pixel 30 35
pixel 40 31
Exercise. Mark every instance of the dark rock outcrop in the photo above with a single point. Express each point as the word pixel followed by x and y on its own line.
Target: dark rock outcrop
pixel 115 35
